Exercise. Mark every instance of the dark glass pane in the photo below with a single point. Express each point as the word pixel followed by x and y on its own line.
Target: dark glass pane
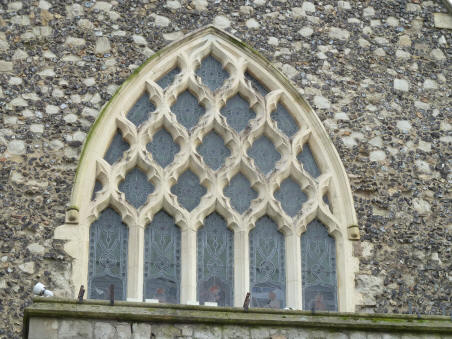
pixel 318 254
pixel 212 73
pixel 97 188
pixel 257 84
pixel 188 190
pixel 238 113
pixel 308 161
pixel 291 196
pixel 168 78
pixel 187 109
pixel 163 148
pixel 140 111
pixel 136 187
pixel 327 201
pixel 284 120
pixel 213 150
pixel 264 154
pixel 107 256
pixel 215 261
pixel 162 259
pixel 267 265
pixel 240 193
pixel 117 147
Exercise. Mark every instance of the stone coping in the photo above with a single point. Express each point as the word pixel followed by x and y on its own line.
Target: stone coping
pixel 189 314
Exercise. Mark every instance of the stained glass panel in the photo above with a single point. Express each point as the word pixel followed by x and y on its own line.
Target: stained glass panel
pixel 213 150
pixel 163 148
pixel 256 84
pixel 107 256
pixel 264 154
pixel 117 147
pixel 291 196
pixel 168 78
pixel 140 111
pixel 136 187
pixel 188 190
pixel 318 254
pixel 284 120
pixel 238 113
pixel 307 159
pixel 267 265
pixel 212 73
pixel 187 109
pixel 215 261
pixel 162 259
pixel 240 193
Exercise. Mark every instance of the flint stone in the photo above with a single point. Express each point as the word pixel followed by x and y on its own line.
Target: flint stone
pixel 6 66
pixel 338 33
pixel 443 20
pixel 16 147
pixel 221 22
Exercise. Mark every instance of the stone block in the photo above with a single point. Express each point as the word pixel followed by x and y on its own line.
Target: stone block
pixel 75 329
pixel 141 330
pixel 443 20
pixel 104 330
pixel 43 328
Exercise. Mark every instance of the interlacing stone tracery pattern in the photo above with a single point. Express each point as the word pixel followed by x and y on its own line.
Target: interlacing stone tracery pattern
pixel 209 136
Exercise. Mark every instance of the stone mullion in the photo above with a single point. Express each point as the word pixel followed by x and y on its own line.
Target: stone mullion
pixel 241 266
pixel 135 267
pixel 188 266
pixel 293 271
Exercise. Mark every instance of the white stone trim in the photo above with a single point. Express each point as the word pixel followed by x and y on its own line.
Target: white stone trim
pixel 236 58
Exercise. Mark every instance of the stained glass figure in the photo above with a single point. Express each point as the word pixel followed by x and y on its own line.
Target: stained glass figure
pixel 238 113
pixel 188 190
pixel 136 187
pixel 140 111
pixel 187 109
pixel 257 84
pixel 284 120
pixel 240 193
pixel 108 238
pixel 215 261
pixel 318 254
pixel 264 154
pixel 162 259
pixel 168 78
pixel 291 196
pixel 267 265
pixel 97 188
pixel 163 148
pixel 213 150
pixel 212 73
pixel 307 159
pixel 117 147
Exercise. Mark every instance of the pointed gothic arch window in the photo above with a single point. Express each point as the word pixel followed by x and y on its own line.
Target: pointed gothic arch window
pixel 221 179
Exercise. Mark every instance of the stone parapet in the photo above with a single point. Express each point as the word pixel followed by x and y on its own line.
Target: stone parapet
pixel 64 318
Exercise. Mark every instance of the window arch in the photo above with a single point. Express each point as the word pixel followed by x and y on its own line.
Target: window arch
pixel 208 136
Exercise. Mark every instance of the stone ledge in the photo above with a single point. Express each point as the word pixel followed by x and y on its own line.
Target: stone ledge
pixel 188 314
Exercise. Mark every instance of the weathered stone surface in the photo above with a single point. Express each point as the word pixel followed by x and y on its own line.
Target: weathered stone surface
pixel 43 328
pixel 102 45
pixel 443 20
pixel 71 329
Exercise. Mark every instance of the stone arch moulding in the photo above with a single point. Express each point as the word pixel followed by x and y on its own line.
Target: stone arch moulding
pixel 329 197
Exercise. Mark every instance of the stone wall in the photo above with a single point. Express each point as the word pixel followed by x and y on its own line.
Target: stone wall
pixel 376 73
pixel 64 319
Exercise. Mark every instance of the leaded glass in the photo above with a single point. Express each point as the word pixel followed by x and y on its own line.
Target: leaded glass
pixel 187 109
pixel 318 254
pixel 238 113
pixel 309 164
pixel 136 187
pixel 97 188
pixel 140 111
pixel 284 120
pixel 213 150
pixel 168 78
pixel 267 265
pixel 240 193
pixel 291 196
pixel 108 238
pixel 264 154
pixel 188 190
pixel 212 73
pixel 117 147
pixel 215 261
pixel 162 259
pixel 256 84
pixel 163 148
